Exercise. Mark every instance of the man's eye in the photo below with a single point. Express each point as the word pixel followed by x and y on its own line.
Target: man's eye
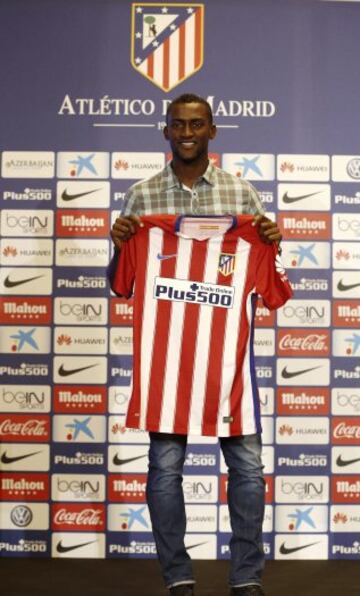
pixel 197 124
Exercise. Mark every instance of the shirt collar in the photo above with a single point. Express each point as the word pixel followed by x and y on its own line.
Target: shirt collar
pixel 170 180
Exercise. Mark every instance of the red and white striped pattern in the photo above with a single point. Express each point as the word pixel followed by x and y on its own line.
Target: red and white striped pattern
pixel 179 56
pixel 193 363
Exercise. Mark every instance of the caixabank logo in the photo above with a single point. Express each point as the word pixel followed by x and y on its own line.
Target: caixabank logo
pixel 167 41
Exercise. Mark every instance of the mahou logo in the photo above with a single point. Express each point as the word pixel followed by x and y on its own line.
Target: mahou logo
pixel 305 226
pixel 346 431
pixel 89 223
pixel 24 487
pixel 36 310
pixel 80 399
pixel 346 313
pixel 263 316
pixel 20 428
pixel 78 517
pixel 121 311
pixel 127 488
pixel 269 489
pixel 302 342
pixel 305 401
pixel 345 489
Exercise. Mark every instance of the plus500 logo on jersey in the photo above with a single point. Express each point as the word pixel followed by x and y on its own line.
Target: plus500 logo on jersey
pixel 181 290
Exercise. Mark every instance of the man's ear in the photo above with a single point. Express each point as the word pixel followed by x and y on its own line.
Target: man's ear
pixel 166 132
pixel 213 132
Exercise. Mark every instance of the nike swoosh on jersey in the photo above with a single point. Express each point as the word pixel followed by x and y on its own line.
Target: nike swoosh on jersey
pixel 66 197
pixel 163 257
pixel 342 287
pixel 288 375
pixel 122 462
pixel 65 373
pixel 5 459
pixel 346 462
pixel 287 551
pixel 12 284
pixel 65 549
pixel 288 199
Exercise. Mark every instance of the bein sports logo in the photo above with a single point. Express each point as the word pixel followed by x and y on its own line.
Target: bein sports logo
pixel 179 290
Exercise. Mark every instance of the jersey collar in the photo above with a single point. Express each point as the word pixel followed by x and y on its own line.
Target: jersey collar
pixel 179 220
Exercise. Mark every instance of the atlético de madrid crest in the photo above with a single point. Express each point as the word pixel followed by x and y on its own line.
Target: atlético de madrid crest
pixel 167 41
pixel 226 263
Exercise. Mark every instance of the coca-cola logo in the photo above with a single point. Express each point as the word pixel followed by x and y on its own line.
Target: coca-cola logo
pixel 29 428
pixel 344 430
pixel 86 517
pixel 314 341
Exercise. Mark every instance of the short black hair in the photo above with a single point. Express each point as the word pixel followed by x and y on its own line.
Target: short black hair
pixel 190 98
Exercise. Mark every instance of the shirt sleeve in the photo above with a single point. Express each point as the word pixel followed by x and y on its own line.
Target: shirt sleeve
pixel 256 204
pixel 122 271
pixel 271 280
pixel 130 203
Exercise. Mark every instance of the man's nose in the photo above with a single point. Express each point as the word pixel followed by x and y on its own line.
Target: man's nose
pixel 187 130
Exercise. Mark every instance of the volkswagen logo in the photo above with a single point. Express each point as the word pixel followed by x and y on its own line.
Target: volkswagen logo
pixel 121 398
pixel 21 516
pixel 353 168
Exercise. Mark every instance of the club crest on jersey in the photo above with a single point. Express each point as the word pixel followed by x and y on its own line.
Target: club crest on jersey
pixel 226 264
pixel 167 41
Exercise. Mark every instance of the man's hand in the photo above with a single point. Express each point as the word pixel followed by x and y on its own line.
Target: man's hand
pixel 268 230
pixel 124 228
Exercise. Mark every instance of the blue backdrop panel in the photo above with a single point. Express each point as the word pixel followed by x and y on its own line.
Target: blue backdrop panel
pixel 85 87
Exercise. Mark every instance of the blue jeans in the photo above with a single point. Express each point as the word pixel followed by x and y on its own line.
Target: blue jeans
pixel 246 496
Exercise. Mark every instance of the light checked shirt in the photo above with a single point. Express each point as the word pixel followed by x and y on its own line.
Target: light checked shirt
pixel 216 192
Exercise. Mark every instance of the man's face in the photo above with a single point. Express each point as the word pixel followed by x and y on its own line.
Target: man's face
pixel 189 131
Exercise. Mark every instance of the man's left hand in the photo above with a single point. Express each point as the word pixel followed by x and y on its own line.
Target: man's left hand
pixel 268 230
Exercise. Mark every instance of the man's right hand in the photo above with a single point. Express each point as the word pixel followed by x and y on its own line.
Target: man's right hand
pixel 124 228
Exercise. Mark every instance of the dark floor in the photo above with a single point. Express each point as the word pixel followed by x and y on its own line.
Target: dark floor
pixel 121 577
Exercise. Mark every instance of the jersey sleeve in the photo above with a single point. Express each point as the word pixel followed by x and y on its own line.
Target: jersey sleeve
pixel 271 280
pixel 122 272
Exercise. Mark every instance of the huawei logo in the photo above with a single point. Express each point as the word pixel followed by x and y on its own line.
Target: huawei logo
pixel 342 254
pixel 340 518
pixel 121 164
pixel 64 340
pixel 285 429
pixel 10 251
pixel 118 429
pixel 287 166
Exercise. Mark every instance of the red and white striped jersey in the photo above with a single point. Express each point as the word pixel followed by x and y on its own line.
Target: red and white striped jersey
pixel 196 284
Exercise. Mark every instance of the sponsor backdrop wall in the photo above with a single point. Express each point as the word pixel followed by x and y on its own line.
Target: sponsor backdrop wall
pixel 85 86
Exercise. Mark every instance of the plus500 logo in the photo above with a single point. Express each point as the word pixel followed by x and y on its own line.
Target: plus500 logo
pixel 180 290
